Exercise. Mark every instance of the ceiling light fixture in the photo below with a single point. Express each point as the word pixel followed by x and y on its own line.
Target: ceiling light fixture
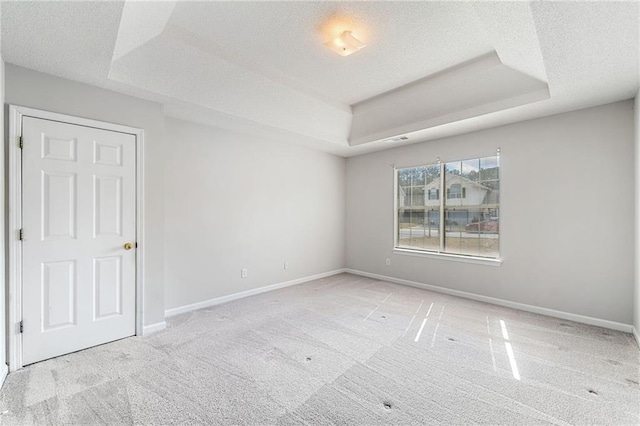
pixel 345 44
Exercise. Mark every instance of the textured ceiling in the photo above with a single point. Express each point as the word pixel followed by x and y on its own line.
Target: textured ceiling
pixel 262 66
pixel 403 43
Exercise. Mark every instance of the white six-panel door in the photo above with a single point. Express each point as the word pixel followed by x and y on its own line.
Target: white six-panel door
pixel 78 204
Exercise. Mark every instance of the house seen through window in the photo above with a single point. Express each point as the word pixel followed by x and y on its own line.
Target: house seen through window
pixel 465 222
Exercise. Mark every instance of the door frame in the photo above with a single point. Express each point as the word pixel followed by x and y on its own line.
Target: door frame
pixel 14 219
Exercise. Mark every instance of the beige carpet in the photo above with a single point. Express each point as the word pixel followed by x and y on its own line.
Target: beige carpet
pixel 341 350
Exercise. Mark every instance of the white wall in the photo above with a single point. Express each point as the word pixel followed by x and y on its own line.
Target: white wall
pixel 234 202
pixel 42 91
pixel 567 203
pixel 636 298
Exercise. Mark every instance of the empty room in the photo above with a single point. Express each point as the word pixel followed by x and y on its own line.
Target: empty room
pixel 320 212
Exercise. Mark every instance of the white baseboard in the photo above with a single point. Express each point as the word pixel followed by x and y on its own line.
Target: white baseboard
pixel 636 336
pixel 152 328
pixel 627 328
pixel 235 296
pixel 4 370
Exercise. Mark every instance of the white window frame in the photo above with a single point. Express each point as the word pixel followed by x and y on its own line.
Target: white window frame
pixel 440 255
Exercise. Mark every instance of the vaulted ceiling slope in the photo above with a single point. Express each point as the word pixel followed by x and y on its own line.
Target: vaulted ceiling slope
pixel 430 69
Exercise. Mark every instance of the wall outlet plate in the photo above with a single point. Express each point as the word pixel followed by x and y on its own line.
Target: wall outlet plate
pixel 244 273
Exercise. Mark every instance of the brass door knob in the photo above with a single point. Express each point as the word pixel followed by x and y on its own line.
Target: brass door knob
pixel 128 246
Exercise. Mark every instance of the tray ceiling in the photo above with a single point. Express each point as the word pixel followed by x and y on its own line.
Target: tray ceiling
pixel 263 65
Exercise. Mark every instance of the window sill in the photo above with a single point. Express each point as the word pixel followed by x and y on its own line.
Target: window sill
pixel 449 257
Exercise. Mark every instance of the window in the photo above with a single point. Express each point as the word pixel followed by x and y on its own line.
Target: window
pixel 454 191
pixel 465 222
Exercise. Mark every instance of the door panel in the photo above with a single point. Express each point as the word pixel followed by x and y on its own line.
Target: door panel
pixel 107 286
pixel 59 193
pixel 59 301
pixel 108 206
pixel 78 190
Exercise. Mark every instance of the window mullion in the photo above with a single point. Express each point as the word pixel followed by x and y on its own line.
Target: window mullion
pixel 442 192
pixel 396 210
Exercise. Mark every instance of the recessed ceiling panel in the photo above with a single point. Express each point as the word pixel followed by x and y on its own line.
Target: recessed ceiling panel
pixel 285 40
pixel 478 87
pixel 167 66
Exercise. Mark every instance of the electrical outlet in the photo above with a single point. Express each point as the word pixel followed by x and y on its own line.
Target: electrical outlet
pixel 388 262
pixel 286 265
pixel 243 273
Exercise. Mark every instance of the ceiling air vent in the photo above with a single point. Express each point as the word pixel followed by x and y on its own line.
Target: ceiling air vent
pixel 397 139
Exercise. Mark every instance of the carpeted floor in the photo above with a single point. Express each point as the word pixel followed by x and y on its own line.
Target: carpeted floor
pixel 341 350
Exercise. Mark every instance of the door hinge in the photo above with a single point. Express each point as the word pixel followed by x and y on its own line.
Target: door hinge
pixel 21 234
pixel 21 142
pixel 21 326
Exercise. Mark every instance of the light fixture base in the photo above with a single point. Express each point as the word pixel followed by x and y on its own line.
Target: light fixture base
pixel 345 44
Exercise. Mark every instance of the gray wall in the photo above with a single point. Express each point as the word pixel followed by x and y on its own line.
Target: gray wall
pixel 567 213
pixel 636 298
pixel 233 202
pixel 3 305
pixel 42 91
